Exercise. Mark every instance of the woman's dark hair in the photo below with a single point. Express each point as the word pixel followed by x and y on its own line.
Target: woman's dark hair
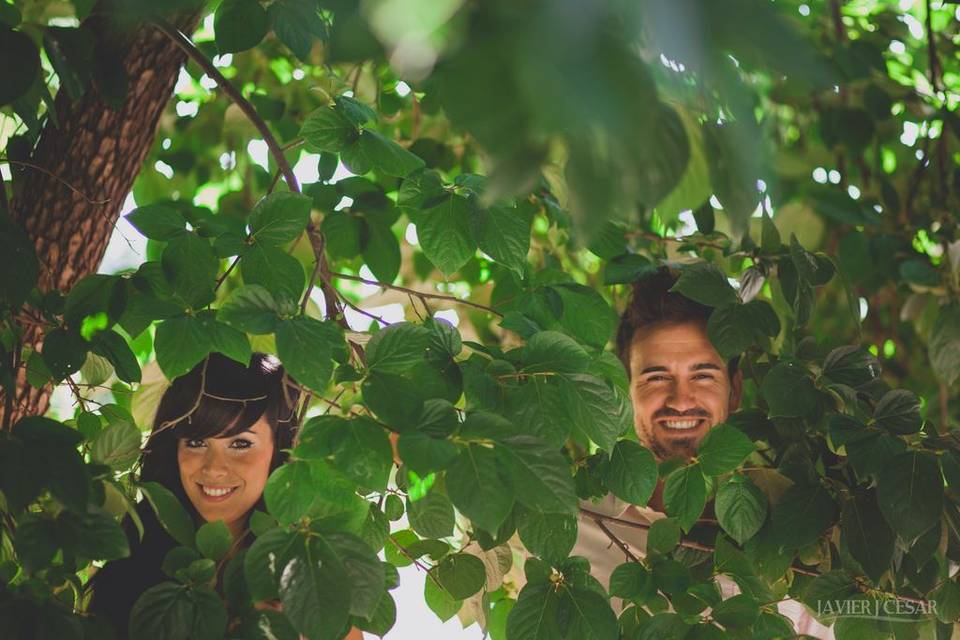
pixel 219 398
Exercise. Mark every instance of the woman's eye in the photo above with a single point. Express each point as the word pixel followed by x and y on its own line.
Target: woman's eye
pixel 193 443
pixel 243 443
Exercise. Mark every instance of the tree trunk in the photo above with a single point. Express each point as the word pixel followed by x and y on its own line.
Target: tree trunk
pixel 98 152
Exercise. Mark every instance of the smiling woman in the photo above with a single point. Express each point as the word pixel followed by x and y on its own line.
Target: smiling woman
pixel 219 432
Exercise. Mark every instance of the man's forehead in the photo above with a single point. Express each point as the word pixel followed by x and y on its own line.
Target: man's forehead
pixel 671 346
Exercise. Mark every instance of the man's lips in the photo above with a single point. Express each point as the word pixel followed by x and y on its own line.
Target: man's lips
pixel 216 494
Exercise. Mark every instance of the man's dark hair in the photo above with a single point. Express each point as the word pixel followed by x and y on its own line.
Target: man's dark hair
pixel 652 303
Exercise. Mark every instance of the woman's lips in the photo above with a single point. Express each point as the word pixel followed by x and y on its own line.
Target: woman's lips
pixel 216 494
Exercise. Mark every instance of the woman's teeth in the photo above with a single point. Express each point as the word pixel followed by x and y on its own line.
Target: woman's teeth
pixel 680 424
pixel 216 493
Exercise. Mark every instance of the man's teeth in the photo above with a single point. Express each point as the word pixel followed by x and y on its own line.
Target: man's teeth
pixel 680 424
pixel 210 491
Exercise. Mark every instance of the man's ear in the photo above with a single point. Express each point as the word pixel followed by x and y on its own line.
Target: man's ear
pixel 736 388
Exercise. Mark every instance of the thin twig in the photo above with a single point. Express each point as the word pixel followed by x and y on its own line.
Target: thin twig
pixel 617 541
pixel 420 294
pixel 226 273
pixel 72 188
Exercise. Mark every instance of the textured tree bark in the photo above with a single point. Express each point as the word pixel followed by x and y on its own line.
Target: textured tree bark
pixel 98 152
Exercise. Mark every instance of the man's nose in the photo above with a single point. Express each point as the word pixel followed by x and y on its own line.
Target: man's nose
pixel 681 396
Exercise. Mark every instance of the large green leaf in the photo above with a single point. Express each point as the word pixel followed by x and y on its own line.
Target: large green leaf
pixel 213 540
pixel 297 24
pixel 303 345
pixel 443 231
pixel 381 252
pixel 64 352
pixel 550 536
pixel 169 611
pixel 250 308
pixel 723 449
pixel 190 266
pixel 170 512
pixel 789 391
pixel 735 328
pixel 239 25
pixel 898 411
pixel 705 283
pixel 586 315
pixel 326 129
pixel 112 346
pixel 181 343
pixel 265 560
pixel 741 508
pixel 802 514
pixel 364 571
pixel 910 493
pixel 22 67
pixel 275 270
pixel 461 574
pixel 503 233
pixel 280 218
pixel 18 258
pixel 540 475
pixel 868 537
pixel 944 344
pixel 552 351
pixel 374 151
pixel 632 472
pixel 397 348
pixel 118 445
pixel 432 515
pixel 312 489
pixel 477 488
pixel 685 494
pixel 592 407
pixel 312 589
pixel 534 617
pixel 359 448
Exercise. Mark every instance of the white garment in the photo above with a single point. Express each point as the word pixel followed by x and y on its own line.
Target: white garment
pixel 605 556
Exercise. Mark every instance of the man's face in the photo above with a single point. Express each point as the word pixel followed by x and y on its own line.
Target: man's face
pixel 679 387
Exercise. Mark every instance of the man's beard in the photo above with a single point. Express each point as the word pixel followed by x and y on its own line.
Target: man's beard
pixel 684 448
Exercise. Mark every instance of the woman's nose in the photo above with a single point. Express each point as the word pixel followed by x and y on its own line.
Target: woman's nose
pixel 214 462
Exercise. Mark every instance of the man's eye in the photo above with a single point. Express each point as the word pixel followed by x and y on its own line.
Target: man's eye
pixel 656 378
pixel 703 376
pixel 242 443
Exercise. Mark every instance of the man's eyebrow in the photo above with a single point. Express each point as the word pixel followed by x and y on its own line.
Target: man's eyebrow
pixel 653 370
pixel 700 366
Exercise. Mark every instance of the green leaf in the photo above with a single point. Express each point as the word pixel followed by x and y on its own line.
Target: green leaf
pixel 443 231
pixel 326 129
pixel 586 315
pixel 297 24
pixel 64 352
pixel 503 233
pixel 534 617
pixel 723 449
pixel 802 514
pixel 592 406
pixel 632 473
pixel 947 597
pixel 705 283
pixel 169 611
pixel 95 294
pixel 537 407
pixel 312 591
pixel 910 493
pixel 397 348
pixel 22 67
pixel 94 535
pixel 736 328
pixel 274 270
pixel 866 534
pixel 898 412
pixel 685 494
pixel 231 342
pixel 311 489
pixel 214 540
pixel 35 542
pixel 540 475
pixel 737 611
pixel 265 560
pixel 112 346
pixel 741 508
pixel 550 536
pixel 477 489
pixel 170 512
pixel 157 221
pixel 355 111
pixel 789 391
pixel 552 351
pixel 425 454
pixel 190 266
pixel 587 615
pixel 439 601
pixel 359 448
pixel 461 574
pixel 342 231
pixel 664 535
pixel 303 345
pixel 239 25
pixel 280 218
pixel 944 344
pixel 626 268
pixel 18 258
pixel 381 252
pixel 181 343
pixel 250 308
pixel 631 581
pixel 432 515
pixel 118 445
pixel 70 50
pixel 373 151
pixel 363 569
pixel 770 241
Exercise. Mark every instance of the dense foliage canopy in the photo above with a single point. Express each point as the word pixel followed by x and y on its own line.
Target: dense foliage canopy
pixel 492 176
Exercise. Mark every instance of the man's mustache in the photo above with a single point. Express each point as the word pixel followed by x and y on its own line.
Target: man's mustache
pixel 673 413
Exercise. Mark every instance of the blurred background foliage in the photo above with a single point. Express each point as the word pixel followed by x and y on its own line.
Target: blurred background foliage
pixel 505 152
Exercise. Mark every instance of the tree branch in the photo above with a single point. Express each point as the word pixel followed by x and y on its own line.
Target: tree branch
pixel 419 294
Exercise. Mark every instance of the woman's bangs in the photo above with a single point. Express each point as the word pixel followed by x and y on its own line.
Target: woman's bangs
pixel 220 417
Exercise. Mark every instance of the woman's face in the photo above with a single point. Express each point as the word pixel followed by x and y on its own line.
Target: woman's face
pixel 224 477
